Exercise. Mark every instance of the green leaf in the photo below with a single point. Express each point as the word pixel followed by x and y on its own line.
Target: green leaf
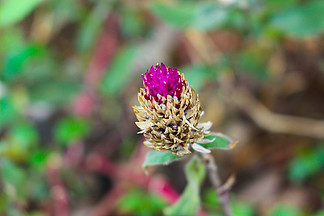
pixel 211 200
pixel 118 74
pixel 14 177
pixel 4 202
pixel 35 213
pixel 285 210
pixel 71 130
pixel 210 16
pixel 159 158
pixel 64 12
pixel 202 16
pixel 8 111
pixel 141 203
pixel 11 39
pixel 179 14
pixel 14 212
pixel 190 200
pixel 197 75
pixel 221 142
pixel 276 5
pixel 37 187
pixel 253 61
pixel 242 208
pixel 127 148
pixel 55 92
pixel 13 11
pixel 301 21
pixel 24 135
pixel 239 208
pixel 90 29
pixel 306 163
pixel 320 213
pixel 134 25
pixel 20 140
pixel 17 59
pixel 38 159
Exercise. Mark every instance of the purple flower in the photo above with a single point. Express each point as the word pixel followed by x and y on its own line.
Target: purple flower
pixel 169 111
pixel 160 80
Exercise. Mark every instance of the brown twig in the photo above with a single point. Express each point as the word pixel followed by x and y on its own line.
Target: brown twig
pixel 274 122
pixel 216 182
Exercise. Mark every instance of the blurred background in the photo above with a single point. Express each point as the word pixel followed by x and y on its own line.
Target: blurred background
pixel 69 76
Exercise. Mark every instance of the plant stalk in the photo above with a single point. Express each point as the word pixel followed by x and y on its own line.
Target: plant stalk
pixel 223 194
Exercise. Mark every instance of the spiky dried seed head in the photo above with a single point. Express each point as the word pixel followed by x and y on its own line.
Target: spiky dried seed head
pixel 169 111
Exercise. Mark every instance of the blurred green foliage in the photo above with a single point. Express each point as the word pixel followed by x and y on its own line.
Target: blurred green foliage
pixel 197 75
pixel 285 210
pixel 298 21
pixel 71 130
pixel 141 203
pixel 239 208
pixel 14 11
pixel 120 69
pixel 307 163
pixel 203 16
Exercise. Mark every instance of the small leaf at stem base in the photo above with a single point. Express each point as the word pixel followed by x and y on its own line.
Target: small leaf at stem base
pixel 160 158
pixel 221 142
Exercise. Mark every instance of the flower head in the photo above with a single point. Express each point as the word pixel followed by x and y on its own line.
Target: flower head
pixel 169 111
pixel 162 81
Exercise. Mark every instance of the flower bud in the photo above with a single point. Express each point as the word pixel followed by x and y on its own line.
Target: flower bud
pixel 169 111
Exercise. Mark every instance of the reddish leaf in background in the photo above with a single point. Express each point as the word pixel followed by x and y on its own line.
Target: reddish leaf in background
pixel 105 50
pixel 59 193
pixel 84 104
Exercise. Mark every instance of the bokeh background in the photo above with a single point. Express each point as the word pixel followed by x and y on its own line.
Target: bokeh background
pixel 69 76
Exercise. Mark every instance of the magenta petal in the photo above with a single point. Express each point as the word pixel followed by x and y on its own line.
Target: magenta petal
pixel 164 81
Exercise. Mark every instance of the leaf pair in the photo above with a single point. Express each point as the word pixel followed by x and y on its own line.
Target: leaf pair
pixel 218 141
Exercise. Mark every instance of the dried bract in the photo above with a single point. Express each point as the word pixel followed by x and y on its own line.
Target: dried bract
pixel 169 111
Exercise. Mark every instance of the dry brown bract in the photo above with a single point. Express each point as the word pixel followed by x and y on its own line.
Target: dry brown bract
pixel 171 125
